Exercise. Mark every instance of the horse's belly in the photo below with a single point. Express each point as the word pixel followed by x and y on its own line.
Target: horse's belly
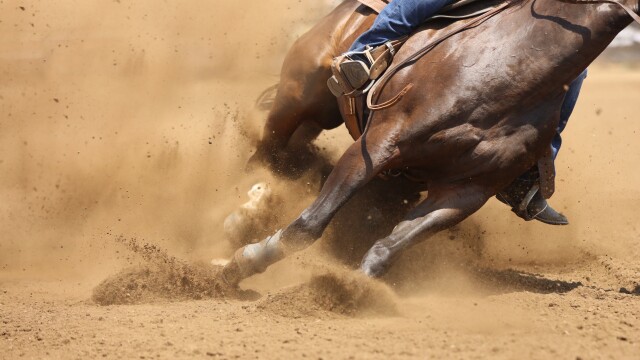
pixel 495 155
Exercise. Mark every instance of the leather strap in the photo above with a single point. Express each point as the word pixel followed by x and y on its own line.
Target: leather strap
pixel 626 8
pixel 521 210
pixel 391 46
pixel 382 56
pixel 394 100
pixel 547 170
pixel 349 111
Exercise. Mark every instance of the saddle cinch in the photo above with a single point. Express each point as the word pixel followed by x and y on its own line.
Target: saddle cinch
pixel 356 107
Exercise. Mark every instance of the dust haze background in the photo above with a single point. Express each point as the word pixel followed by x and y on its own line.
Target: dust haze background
pixel 129 116
pixel 135 118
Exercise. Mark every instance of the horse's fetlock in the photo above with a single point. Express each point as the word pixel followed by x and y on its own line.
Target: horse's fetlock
pixel 257 257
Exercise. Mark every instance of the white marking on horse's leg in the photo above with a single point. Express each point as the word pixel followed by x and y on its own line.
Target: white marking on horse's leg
pixel 260 195
pixel 219 262
pixel 251 218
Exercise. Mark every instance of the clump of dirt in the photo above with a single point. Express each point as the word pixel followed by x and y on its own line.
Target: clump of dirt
pixel 331 294
pixel 162 278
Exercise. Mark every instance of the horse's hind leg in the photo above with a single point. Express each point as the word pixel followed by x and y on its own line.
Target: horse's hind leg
pixel 443 208
pixel 359 164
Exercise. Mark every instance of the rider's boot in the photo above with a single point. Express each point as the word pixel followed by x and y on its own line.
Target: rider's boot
pixel 526 201
pixel 357 70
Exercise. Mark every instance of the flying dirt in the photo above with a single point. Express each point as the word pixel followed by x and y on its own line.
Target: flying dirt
pixel 124 135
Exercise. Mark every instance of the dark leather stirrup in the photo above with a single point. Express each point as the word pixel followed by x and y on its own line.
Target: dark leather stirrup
pixel 354 73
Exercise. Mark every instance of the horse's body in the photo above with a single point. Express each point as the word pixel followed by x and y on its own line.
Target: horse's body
pixel 484 107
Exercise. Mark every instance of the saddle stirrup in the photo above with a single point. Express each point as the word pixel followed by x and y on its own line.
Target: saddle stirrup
pixel 355 72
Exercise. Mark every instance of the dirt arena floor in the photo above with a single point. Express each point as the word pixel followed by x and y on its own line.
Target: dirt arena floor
pixel 124 129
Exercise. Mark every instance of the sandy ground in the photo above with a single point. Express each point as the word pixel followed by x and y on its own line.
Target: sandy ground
pixel 133 120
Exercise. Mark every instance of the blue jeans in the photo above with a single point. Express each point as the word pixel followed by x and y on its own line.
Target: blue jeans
pixel 569 103
pixel 398 19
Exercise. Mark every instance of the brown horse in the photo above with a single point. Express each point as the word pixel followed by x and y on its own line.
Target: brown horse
pixel 483 109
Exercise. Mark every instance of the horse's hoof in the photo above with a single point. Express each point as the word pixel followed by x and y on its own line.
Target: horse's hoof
pixel 231 274
pixel 376 262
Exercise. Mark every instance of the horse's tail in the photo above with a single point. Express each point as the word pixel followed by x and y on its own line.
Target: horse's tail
pixel 265 100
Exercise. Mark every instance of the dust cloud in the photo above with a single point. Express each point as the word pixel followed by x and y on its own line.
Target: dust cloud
pixel 130 117
pixel 136 119
pixel 124 131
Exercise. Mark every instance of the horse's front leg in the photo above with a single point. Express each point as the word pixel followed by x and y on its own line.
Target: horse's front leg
pixel 443 208
pixel 302 108
pixel 357 166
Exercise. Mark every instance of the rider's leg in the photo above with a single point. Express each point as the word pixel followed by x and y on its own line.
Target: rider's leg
pixel 570 100
pixel 359 164
pixel 443 208
pixel 538 207
pixel 398 19
pixel 354 69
